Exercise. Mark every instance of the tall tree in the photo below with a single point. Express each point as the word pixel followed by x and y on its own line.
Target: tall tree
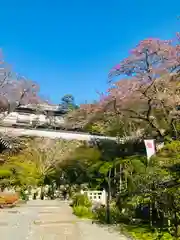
pixel 37 160
pixel 45 154
pixel 68 102
pixel 149 95
pixel 152 89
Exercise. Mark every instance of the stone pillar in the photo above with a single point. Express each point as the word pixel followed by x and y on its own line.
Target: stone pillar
pixel 104 197
pixel 82 192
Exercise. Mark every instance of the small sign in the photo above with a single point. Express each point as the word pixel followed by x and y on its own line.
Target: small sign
pixel 150 148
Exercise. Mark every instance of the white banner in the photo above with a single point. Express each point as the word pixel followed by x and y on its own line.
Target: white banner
pixel 150 148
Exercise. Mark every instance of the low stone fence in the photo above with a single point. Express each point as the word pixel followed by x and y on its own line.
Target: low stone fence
pixel 96 196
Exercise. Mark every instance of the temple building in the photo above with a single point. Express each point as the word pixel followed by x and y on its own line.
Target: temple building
pixel 39 116
pixel 44 121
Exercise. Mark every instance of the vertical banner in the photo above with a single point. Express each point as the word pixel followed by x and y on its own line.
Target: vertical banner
pixel 150 148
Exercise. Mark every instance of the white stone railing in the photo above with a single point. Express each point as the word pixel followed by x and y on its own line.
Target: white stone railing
pixel 96 196
pixel 15 118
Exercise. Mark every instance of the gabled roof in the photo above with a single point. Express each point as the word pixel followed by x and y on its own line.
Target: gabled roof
pixel 44 107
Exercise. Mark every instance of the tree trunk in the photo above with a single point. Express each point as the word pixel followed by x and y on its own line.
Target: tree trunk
pixel 42 193
pixel 108 211
pixel 120 178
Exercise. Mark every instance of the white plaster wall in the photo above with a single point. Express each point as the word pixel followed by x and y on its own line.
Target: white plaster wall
pixel 59 120
pixel 24 118
pixel 51 134
pixel 11 118
pixel 41 118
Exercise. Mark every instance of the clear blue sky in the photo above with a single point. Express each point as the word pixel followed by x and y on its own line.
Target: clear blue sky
pixel 69 46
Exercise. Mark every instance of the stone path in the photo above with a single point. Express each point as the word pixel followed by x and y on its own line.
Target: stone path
pixel 49 220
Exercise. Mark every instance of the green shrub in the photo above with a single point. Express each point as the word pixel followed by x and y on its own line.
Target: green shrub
pixel 100 214
pixel 23 195
pixel 151 236
pixel 81 200
pixel 82 212
pixel 115 215
pixel 143 232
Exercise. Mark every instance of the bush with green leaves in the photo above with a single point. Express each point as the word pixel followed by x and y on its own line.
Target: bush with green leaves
pixel 82 206
pixel 101 214
pixel 81 200
pixel 145 233
pixel 82 211
pixel 23 195
pixel 148 191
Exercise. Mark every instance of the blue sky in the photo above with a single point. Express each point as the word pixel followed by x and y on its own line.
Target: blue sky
pixel 69 46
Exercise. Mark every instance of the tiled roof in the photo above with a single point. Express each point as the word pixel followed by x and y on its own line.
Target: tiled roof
pixel 45 107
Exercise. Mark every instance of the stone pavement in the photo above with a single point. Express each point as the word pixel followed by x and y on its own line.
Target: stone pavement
pixel 49 220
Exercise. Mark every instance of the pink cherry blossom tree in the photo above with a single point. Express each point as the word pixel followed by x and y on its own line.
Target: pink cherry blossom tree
pixel 147 93
pixel 15 90
pixel 151 85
